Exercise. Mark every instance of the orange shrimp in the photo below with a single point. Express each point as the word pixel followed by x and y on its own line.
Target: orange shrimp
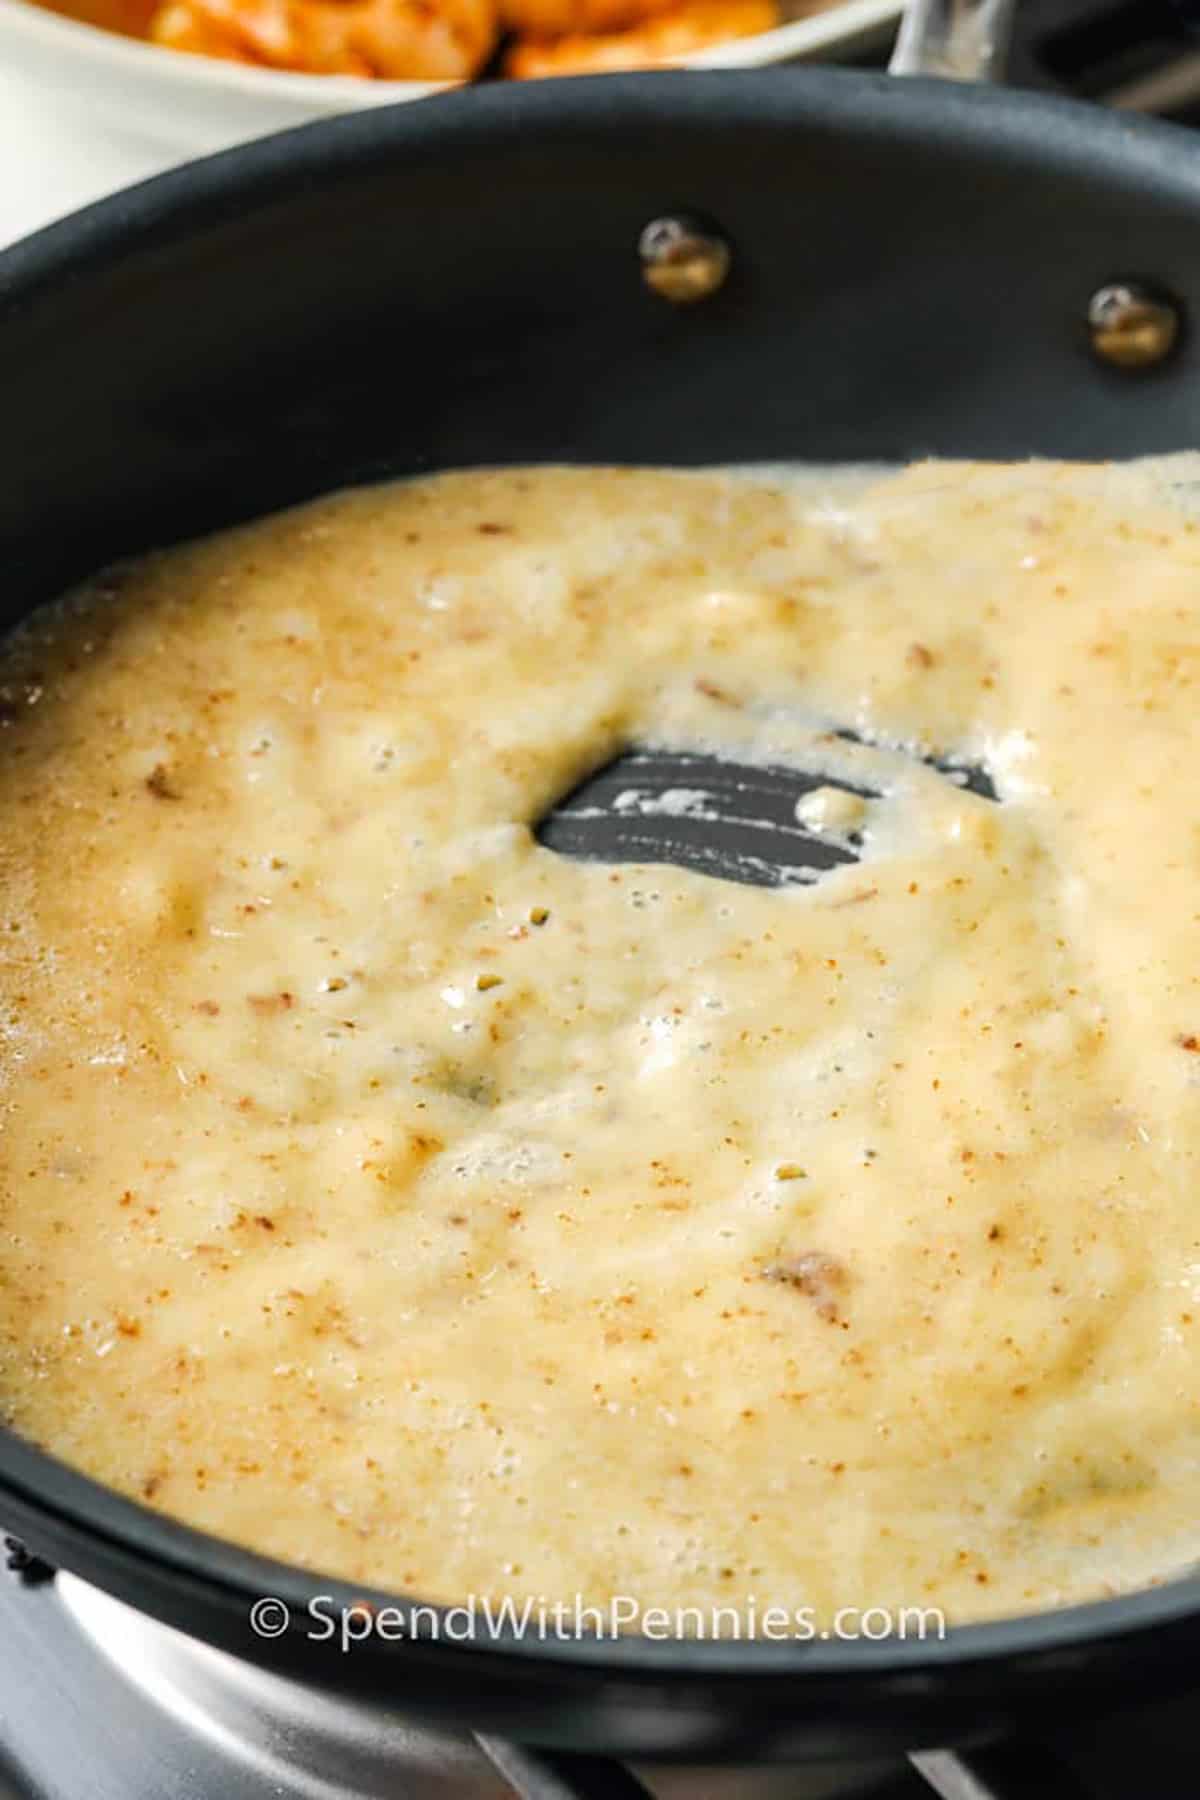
pixel 396 40
pixel 687 27
pixel 572 18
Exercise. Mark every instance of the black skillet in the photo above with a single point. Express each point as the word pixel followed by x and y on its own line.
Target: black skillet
pixel 910 270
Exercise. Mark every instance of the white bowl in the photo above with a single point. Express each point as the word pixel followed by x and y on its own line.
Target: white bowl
pixel 186 105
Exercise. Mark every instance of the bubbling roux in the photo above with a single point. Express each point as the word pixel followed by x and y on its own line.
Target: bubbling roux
pixel 392 1195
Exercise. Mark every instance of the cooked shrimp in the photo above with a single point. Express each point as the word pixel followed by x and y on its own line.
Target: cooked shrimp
pixel 398 40
pixel 694 25
pixel 573 18
pixel 131 18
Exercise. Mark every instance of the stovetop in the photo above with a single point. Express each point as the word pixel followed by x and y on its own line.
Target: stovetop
pixel 99 1703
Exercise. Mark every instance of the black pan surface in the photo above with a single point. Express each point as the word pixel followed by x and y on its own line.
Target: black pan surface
pixel 456 282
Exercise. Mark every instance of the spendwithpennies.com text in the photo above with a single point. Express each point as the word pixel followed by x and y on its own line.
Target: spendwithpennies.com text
pixel 482 1618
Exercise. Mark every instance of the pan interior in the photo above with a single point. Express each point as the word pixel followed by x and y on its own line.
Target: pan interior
pixel 428 1149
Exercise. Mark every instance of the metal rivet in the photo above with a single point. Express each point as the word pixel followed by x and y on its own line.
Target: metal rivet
pixel 683 260
pixel 1132 326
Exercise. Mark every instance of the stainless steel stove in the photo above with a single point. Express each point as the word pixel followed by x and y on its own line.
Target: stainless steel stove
pixel 99 1703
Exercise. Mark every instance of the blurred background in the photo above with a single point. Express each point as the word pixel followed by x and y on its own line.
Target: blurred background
pixel 85 109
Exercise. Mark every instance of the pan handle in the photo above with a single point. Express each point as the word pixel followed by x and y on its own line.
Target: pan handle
pixel 964 40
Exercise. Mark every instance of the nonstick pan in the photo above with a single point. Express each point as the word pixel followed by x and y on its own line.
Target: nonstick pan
pixel 909 268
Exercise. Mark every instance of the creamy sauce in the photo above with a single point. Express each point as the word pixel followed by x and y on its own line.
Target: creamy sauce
pixel 390 1194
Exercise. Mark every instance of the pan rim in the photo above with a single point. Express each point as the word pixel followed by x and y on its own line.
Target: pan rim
pixel 1045 133
pixel 71 1505
pixel 1074 136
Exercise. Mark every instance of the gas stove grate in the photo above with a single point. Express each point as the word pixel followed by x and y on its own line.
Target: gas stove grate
pixel 1009 1771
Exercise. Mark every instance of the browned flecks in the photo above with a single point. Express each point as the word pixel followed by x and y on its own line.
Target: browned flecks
pixel 424 1144
pixel 857 898
pixel 711 691
pixel 817 1275
pixel 272 1003
pixel 159 783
